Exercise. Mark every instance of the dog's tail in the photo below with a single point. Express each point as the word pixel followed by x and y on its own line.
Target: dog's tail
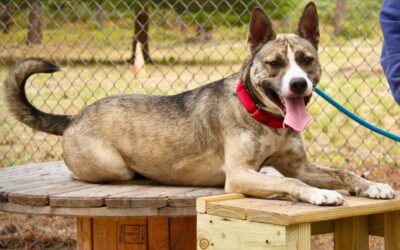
pixel 21 108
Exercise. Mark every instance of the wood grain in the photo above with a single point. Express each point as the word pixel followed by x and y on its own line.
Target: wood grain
pixel 202 203
pixel 351 233
pixel 92 196
pixel 298 237
pixel 85 233
pixel 21 178
pixel 288 212
pixel 47 188
pixel 392 230
pixel 158 233
pixel 39 196
pixel 222 233
pixel 84 211
pixel 105 233
pixel 182 232
pixel 177 211
pixel 155 196
pixel 188 199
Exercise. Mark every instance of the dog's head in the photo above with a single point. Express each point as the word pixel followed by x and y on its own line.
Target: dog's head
pixel 283 69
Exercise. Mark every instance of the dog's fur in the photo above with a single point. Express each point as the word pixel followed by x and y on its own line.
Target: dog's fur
pixel 203 137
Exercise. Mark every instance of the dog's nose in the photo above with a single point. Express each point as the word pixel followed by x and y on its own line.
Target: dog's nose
pixel 298 85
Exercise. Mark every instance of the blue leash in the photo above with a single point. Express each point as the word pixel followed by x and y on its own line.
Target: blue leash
pixel 355 117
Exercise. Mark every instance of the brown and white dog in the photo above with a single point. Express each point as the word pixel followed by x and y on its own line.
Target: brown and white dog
pixel 241 132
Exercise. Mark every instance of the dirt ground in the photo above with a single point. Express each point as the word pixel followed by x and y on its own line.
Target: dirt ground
pixel 20 231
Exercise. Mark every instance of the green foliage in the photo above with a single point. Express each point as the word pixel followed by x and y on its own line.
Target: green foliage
pixel 361 15
pixel 227 13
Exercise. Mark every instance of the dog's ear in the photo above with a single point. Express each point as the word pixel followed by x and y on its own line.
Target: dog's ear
pixel 260 30
pixel 308 24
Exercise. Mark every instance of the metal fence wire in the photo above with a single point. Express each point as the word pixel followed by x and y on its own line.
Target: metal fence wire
pixel 185 44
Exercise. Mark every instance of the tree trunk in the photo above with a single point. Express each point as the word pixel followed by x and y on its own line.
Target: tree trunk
pixel 6 18
pixel 35 24
pixel 141 34
pixel 180 24
pixel 100 17
pixel 203 34
pixel 340 16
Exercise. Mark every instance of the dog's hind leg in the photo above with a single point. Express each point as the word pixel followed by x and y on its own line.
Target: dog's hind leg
pixel 92 160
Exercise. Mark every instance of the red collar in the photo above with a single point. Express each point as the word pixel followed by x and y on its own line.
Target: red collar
pixel 256 112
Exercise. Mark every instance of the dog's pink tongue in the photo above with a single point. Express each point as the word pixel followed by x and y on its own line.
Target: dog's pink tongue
pixel 296 115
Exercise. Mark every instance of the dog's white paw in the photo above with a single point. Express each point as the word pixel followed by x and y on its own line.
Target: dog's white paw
pixel 323 197
pixel 379 191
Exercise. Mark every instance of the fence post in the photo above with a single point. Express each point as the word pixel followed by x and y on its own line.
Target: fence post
pixel 35 24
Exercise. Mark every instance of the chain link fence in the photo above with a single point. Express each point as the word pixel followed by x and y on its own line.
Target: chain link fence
pixel 185 44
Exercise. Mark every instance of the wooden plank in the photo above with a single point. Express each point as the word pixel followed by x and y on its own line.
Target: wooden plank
pixel 392 230
pixel 228 211
pixel 132 233
pixel 9 177
pixel 19 174
pixel 85 233
pixel 201 203
pixel 158 233
pixel 298 236
pixel 222 233
pixel 26 184
pixel 177 211
pixel 182 233
pixel 239 208
pixel 30 166
pixel 188 199
pixel 91 212
pixel 351 233
pixel 288 212
pixel 91 197
pixel 32 181
pixel 32 172
pixel 31 176
pixel 39 196
pixel 155 196
pixel 376 225
pixel 105 233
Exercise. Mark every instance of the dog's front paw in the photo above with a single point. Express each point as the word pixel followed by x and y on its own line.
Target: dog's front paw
pixel 378 191
pixel 323 197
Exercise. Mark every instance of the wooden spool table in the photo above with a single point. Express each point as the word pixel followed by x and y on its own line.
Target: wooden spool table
pixel 234 222
pixel 138 214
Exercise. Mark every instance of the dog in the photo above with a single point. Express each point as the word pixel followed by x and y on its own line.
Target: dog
pixel 241 132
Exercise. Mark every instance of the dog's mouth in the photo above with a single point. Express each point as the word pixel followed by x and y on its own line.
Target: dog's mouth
pixel 294 108
pixel 275 98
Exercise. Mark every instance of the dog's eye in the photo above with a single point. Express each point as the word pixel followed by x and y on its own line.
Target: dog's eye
pixel 275 63
pixel 306 61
